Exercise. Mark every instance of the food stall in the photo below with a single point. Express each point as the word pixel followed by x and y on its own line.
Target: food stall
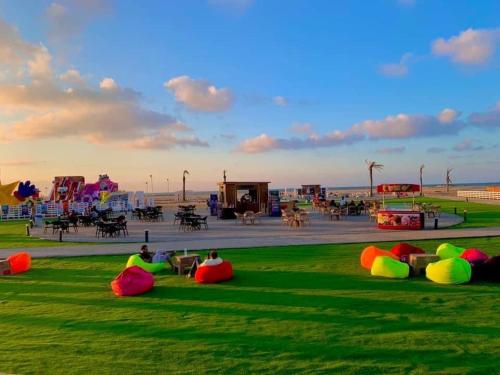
pixel 398 218
pixel 244 196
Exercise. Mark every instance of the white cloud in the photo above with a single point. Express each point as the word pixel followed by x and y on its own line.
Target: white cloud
pixel 108 84
pixel 392 150
pixel 488 120
pixel 200 95
pixel 280 101
pixel 448 115
pixel 165 139
pixel 470 47
pixel 398 69
pixel 401 126
pixel 72 76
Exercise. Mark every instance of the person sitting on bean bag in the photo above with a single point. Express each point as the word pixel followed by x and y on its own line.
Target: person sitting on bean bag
pixel 213 259
pixel 145 254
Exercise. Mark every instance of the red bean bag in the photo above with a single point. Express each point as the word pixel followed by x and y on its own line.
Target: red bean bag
pixel 214 274
pixel 370 253
pixel 405 249
pixel 474 255
pixel 132 281
pixel 19 262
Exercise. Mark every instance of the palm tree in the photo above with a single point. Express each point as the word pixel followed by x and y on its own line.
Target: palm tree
pixel 184 185
pixel 371 166
pixel 448 179
pixel 421 180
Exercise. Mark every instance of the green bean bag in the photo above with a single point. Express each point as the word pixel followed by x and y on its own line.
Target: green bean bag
pixel 447 250
pixel 388 267
pixel 449 271
pixel 136 260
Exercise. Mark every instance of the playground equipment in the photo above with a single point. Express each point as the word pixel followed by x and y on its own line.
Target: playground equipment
pixel 66 188
pixel 17 192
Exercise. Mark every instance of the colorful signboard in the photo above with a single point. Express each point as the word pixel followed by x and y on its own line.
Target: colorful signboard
pixel 395 219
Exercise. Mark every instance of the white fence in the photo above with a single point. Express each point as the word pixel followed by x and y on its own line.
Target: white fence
pixel 477 194
pixel 51 209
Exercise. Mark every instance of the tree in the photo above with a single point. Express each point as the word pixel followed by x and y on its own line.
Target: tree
pixel 448 179
pixel 422 179
pixel 184 185
pixel 371 166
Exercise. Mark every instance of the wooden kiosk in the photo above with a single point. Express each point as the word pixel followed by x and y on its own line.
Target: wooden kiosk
pixel 244 196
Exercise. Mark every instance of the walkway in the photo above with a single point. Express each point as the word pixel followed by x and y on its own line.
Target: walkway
pixel 228 234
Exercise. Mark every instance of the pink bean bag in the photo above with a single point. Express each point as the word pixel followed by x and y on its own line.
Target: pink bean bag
pixel 474 255
pixel 214 274
pixel 370 253
pixel 19 262
pixel 132 281
pixel 405 249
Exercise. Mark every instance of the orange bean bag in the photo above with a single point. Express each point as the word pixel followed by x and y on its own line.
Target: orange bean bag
pixel 19 262
pixel 214 274
pixel 370 253
pixel 405 249
pixel 132 281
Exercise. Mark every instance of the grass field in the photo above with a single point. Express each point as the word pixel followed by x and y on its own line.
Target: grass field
pixel 308 309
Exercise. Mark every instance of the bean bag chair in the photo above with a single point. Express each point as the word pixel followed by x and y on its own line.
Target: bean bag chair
pixel 447 250
pixel 388 267
pixel 214 274
pixel 405 249
pixel 489 270
pixel 136 260
pixel 474 256
pixel 19 262
pixel 370 253
pixel 132 281
pixel 449 271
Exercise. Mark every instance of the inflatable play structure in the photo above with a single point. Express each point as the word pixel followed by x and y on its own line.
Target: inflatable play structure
pixel 74 188
pixel 136 260
pixel 132 281
pixel 214 274
pixel 17 193
pixel 452 265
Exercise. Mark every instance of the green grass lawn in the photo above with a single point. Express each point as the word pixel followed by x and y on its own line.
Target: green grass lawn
pixel 307 309
pixel 478 214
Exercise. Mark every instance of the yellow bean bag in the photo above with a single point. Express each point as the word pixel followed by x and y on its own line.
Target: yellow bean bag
pixel 449 271
pixel 389 267
pixel 447 250
pixel 136 260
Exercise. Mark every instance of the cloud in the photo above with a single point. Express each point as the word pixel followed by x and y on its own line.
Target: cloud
pixel 67 19
pixel 470 47
pixel 392 150
pixel 200 95
pixel 73 77
pixel 467 145
pixel 46 108
pixel 18 57
pixel 401 126
pixel 398 69
pixel 280 101
pixel 108 84
pixel 488 120
pixel 436 150
pixel 448 115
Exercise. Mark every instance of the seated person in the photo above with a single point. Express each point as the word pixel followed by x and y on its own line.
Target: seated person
pixel 213 259
pixel 145 254
pixel 164 256
pixel 360 207
pixel 333 204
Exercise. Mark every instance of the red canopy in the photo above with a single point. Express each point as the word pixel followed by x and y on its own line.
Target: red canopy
pixel 398 188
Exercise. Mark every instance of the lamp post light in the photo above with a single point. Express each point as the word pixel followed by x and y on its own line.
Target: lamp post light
pixel 168 185
pixel 147 187
pixel 151 178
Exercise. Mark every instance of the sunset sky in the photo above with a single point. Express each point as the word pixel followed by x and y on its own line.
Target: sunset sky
pixel 290 92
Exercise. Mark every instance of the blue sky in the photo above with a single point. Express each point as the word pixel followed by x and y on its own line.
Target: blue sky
pixel 327 64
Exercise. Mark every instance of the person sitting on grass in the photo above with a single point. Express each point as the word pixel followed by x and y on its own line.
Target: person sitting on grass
pixel 213 259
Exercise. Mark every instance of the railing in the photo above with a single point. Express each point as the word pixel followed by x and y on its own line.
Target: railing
pixel 477 194
pixel 51 209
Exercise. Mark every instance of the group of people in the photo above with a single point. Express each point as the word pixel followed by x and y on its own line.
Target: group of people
pixel 159 256
pixel 356 208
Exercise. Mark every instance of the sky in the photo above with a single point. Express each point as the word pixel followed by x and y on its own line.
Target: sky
pixel 295 92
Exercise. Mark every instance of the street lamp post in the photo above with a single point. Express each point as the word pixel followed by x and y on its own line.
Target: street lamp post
pixel 151 178
pixel 168 185
pixel 147 188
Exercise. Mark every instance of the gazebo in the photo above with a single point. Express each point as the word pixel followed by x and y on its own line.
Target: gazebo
pixel 244 196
